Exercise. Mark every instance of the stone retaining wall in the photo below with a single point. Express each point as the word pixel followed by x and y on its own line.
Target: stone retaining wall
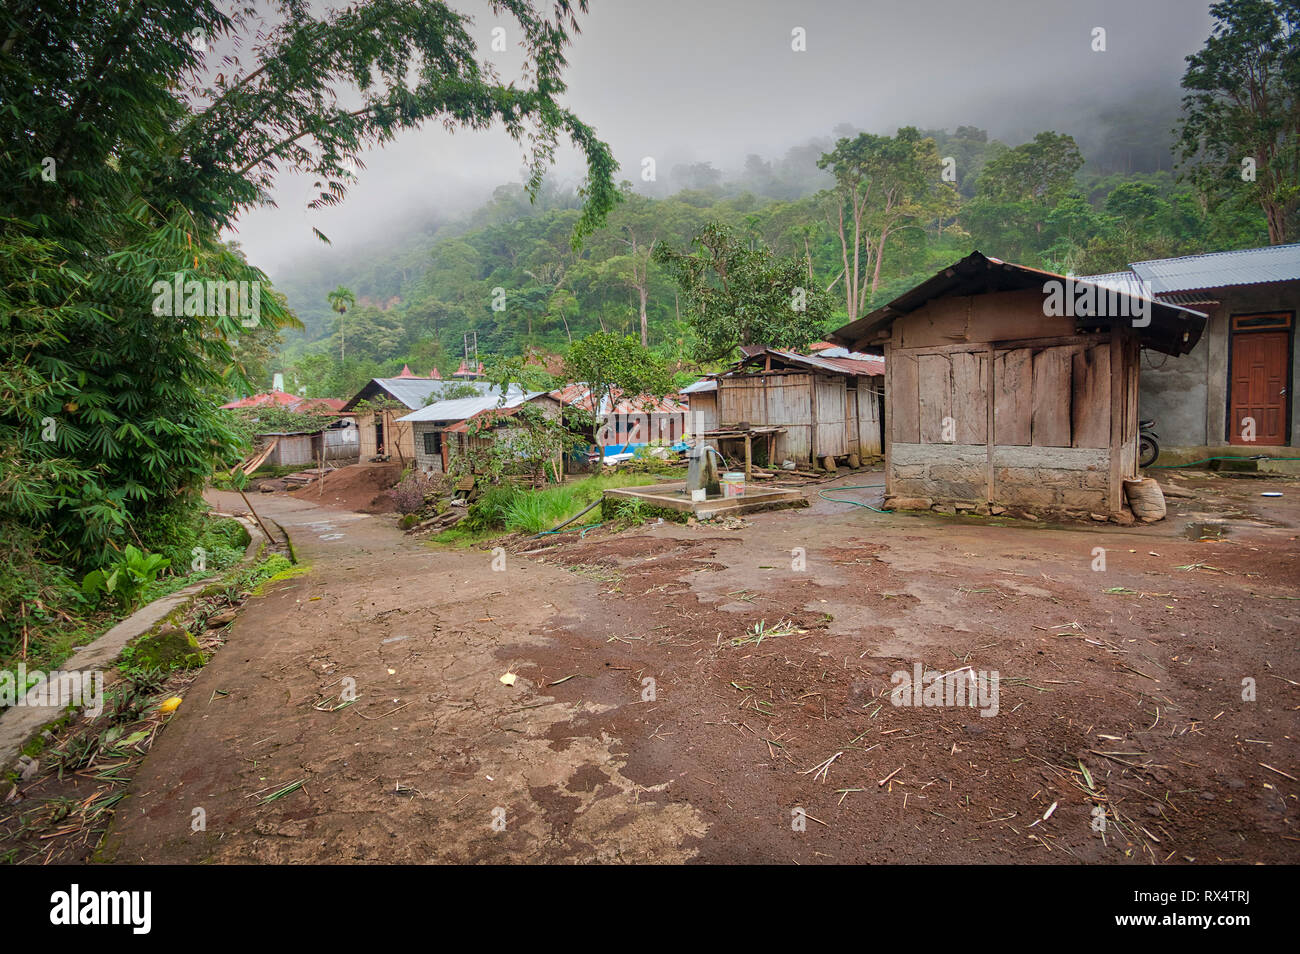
pixel 1047 478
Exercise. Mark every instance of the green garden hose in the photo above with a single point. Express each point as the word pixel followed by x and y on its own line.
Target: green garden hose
pixel 822 494
pixel 1205 459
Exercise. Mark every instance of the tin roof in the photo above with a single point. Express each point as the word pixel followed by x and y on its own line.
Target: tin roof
pixel 412 391
pixel 579 395
pixel 458 409
pixel 700 386
pixel 1250 266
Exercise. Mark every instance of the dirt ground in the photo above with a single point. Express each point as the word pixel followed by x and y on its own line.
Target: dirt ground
pixel 359 487
pixel 637 730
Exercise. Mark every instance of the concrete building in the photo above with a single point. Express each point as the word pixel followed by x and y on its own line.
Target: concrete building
pixel 1234 393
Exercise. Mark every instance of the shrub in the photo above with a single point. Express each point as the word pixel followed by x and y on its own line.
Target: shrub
pixel 489 512
pixel 126 578
pixel 409 494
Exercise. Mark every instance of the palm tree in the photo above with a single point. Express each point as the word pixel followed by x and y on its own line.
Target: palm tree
pixel 341 299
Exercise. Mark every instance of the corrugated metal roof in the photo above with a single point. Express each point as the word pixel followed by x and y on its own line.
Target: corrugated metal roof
pixel 458 409
pixel 413 392
pixel 700 386
pixel 579 395
pixel 1251 266
pixel 853 363
pixel 1126 283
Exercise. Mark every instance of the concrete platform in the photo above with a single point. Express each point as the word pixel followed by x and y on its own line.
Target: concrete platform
pixel 674 497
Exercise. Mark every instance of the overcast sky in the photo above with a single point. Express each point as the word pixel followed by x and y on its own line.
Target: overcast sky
pixel 714 80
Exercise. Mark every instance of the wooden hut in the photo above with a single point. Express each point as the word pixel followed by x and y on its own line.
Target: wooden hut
pixel 826 405
pixel 1012 387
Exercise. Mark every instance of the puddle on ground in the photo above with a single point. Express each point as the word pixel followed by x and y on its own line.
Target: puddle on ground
pixel 1206 531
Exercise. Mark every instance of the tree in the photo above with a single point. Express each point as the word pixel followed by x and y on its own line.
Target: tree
pixel 737 295
pixel 128 147
pixel 880 181
pixel 1039 171
pixel 610 365
pixel 1017 193
pixel 1241 116
pixel 341 299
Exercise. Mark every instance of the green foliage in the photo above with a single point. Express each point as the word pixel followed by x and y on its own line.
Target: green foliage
pixel 882 183
pixel 505 507
pixel 125 579
pixel 127 150
pixel 162 651
pixel 737 294
pixel 609 365
pixel 1243 106
pixel 489 511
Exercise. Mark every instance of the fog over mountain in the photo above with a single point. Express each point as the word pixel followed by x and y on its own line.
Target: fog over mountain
pixel 683 81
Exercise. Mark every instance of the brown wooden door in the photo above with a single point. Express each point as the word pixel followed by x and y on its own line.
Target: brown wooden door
pixel 1259 361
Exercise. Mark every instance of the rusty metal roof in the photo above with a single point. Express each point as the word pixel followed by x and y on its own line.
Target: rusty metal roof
pixel 831 361
pixel 579 395
pixel 1172 330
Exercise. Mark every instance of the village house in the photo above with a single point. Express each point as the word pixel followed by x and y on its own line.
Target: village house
pixel 387 400
pixel 440 431
pixel 998 398
pixel 811 409
pixel 1234 393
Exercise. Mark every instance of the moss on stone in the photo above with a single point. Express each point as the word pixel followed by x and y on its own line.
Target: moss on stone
pixel 167 649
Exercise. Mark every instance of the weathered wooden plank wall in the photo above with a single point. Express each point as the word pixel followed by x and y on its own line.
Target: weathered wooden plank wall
pixel 831 438
pixel 870 441
pixel 771 399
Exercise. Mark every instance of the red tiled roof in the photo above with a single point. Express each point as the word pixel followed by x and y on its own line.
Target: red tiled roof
pixel 578 395
pixel 283 399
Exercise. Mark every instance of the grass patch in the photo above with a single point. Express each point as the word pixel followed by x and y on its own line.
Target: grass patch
pixel 512 509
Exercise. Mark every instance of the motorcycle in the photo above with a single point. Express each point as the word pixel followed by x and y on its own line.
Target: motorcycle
pixel 1148 445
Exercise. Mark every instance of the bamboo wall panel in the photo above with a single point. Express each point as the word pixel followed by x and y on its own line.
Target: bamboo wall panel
pixel 869 434
pixel 831 439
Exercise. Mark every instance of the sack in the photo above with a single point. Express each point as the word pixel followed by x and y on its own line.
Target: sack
pixel 1145 498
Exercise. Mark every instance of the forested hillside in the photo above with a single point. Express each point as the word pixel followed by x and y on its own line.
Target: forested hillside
pixel 508 273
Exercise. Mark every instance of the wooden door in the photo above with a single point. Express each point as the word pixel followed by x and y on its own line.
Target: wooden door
pixel 1259 388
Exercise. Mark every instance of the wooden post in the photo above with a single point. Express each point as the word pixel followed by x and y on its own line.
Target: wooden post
pixel 249 504
pixel 990 427
pixel 1117 391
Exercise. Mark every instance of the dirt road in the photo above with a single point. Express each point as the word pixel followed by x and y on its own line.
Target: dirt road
pixel 637 730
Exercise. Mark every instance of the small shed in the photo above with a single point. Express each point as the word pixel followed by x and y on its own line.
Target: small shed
pixel 290 449
pixel 829 405
pixel 1008 386
pixel 338 442
pixel 702 403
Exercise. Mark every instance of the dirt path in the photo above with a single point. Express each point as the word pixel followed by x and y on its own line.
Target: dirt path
pixel 657 738
pixel 413 771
